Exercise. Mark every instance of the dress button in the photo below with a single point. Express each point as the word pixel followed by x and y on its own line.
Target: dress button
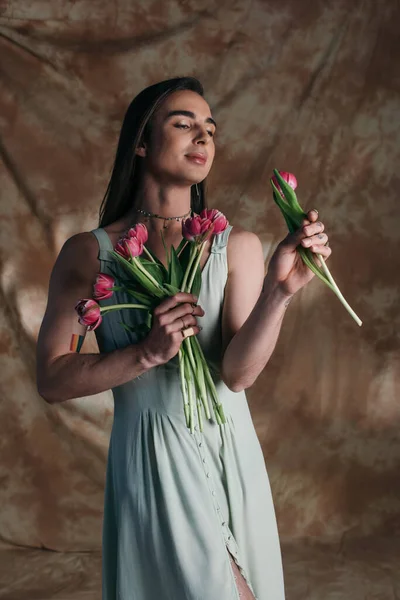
pixel 229 537
pixel 218 508
pixel 223 523
pixel 208 474
pixel 200 444
pixel 204 460
pixel 196 428
pixel 213 493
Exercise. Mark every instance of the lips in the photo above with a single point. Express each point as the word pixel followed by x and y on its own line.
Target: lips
pixel 197 157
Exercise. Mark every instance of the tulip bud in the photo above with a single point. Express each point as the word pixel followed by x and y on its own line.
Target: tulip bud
pixel 288 177
pixel 129 247
pixel 217 218
pixel 103 285
pixel 191 228
pixel 88 313
pixel 140 232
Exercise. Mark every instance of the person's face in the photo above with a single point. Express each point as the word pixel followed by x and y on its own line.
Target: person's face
pixel 181 145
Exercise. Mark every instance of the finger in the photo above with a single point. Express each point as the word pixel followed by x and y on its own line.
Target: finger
pixel 312 215
pixel 173 301
pixel 313 228
pixel 315 240
pixel 323 250
pixel 184 322
pixel 186 309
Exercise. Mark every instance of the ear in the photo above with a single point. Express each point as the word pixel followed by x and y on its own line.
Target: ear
pixel 141 150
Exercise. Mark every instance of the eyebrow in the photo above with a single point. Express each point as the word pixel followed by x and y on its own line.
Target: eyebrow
pixel 188 113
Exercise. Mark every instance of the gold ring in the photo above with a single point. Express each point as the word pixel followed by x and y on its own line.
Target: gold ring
pixel 187 332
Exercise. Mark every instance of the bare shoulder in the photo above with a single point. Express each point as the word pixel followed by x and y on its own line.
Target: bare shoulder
pixel 79 255
pixel 243 246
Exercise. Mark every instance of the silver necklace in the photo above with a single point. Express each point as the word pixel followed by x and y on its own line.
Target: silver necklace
pixel 165 219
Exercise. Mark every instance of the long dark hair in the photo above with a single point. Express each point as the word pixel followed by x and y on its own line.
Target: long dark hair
pixel 126 173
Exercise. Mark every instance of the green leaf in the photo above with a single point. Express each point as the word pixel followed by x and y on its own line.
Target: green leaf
pixel 159 265
pixel 283 205
pixel 141 297
pixel 154 270
pixel 289 194
pixel 176 272
pixel 184 257
pixel 196 286
pixel 171 288
pixel 132 269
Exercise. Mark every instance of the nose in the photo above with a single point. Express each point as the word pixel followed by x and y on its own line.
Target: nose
pixel 202 137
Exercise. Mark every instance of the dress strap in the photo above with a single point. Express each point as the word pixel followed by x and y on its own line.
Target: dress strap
pixel 221 240
pixel 105 244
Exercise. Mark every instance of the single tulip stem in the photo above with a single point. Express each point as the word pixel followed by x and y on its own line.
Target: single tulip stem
pixel 192 258
pixel 196 264
pixel 183 247
pixel 183 386
pixel 145 272
pixel 338 292
pixel 105 309
pixel 149 255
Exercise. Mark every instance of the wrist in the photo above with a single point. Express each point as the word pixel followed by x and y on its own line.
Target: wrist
pixel 145 357
pixel 275 291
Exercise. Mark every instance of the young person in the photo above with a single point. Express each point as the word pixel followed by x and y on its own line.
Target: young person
pixel 186 516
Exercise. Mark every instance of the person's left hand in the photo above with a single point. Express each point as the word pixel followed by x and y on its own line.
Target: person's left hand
pixel 286 267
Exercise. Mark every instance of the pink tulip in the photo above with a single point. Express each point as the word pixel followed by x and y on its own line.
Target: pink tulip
pixel 192 228
pixel 140 232
pixel 288 177
pixel 217 218
pixel 88 313
pixel 103 285
pixel 130 246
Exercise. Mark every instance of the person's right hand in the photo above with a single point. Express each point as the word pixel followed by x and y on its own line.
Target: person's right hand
pixel 169 318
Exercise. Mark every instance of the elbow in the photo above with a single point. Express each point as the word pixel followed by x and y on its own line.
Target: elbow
pixel 233 385
pixel 46 391
pixel 46 394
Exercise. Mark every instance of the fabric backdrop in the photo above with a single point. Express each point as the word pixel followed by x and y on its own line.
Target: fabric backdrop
pixel 308 87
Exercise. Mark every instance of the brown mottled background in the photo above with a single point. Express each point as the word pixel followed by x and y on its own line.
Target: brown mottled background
pixel 306 86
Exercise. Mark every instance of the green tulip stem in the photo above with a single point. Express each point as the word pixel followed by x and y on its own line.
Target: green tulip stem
pixel 191 260
pixel 218 409
pixel 198 370
pixel 186 407
pixel 338 292
pixel 105 309
pixel 145 272
pixel 202 246
pixel 188 377
pixel 149 255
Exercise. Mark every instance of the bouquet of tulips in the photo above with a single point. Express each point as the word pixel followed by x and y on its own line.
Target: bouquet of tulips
pixel 149 282
pixel 283 185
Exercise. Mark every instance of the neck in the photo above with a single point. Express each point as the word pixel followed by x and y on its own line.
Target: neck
pixel 166 201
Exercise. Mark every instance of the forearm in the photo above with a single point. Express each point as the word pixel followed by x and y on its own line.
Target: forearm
pixel 75 375
pixel 251 347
